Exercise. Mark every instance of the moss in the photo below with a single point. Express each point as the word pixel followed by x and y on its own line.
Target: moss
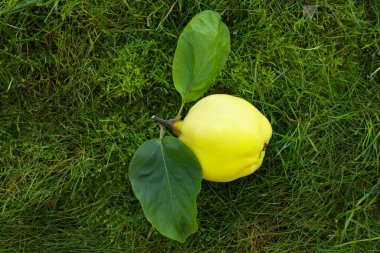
pixel 79 83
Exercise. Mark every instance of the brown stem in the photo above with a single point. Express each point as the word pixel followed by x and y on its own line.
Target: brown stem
pixel 163 122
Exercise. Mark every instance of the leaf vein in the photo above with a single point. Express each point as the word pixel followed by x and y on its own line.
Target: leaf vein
pixel 168 180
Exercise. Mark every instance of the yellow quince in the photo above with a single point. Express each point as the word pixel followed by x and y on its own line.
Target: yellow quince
pixel 228 135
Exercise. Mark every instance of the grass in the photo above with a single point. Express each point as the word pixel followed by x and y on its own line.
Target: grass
pixel 79 82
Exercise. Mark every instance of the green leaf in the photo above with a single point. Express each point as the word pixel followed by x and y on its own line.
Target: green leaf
pixel 201 53
pixel 166 178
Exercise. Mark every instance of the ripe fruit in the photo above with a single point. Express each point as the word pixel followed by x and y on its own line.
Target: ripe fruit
pixel 228 135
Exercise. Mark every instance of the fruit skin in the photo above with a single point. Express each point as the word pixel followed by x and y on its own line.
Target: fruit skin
pixel 228 135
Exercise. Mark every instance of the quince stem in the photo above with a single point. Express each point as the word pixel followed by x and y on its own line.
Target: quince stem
pixel 163 123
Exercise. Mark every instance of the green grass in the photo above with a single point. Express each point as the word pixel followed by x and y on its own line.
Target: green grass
pixel 79 81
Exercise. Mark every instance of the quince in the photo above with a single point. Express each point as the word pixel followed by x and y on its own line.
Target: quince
pixel 228 135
